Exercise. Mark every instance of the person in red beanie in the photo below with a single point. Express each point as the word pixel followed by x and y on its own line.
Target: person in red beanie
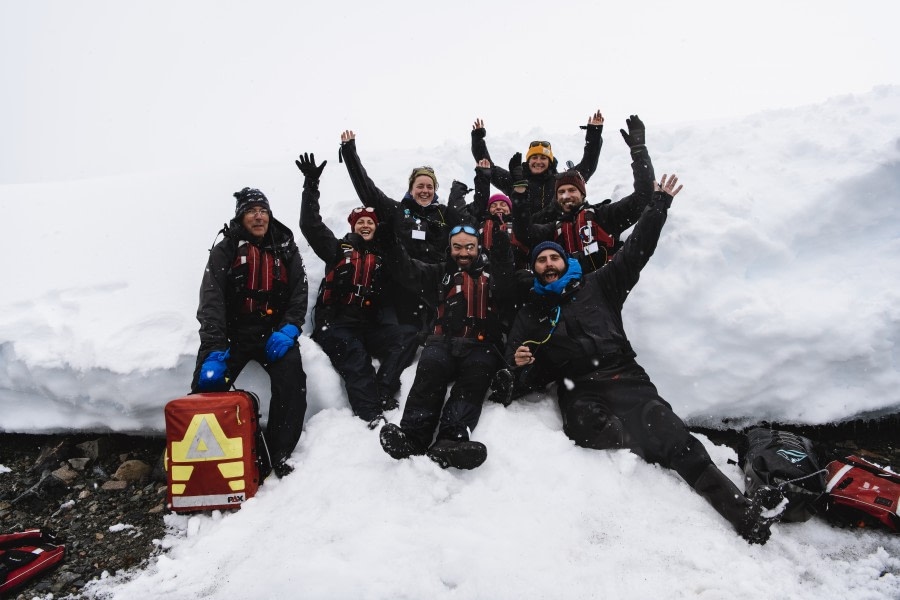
pixel 355 316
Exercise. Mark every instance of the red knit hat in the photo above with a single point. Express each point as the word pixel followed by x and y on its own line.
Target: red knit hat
pixel 363 211
pixel 571 177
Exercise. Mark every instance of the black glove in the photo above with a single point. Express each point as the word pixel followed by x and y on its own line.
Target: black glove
pixel 501 243
pixel 458 191
pixel 635 135
pixel 502 387
pixel 307 165
pixel 517 171
pixel 479 134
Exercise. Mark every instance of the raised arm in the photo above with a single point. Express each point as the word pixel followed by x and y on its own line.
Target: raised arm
pixel 479 146
pixel 593 142
pixel 368 192
pixel 616 217
pixel 320 238
pixel 621 274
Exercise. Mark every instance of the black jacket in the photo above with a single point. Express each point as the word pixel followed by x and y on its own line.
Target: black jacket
pixel 613 217
pixel 423 230
pixel 542 186
pixel 432 282
pixel 589 332
pixel 379 305
pixel 222 313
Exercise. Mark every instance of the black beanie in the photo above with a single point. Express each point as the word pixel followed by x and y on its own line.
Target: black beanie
pixel 248 197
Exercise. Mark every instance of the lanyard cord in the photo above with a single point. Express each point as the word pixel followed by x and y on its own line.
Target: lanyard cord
pixel 553 323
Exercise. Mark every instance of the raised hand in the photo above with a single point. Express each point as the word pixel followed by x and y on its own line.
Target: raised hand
pixel 478 130
pixel 668 186
pixel 307 165
pixel 516 171
pixel 347 136
pixel 596 118
pixel 635 135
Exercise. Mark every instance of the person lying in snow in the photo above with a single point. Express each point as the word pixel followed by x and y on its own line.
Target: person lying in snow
pixel 464 346
pixel 572 326
pixel 540 164
pixel 355 316
pixel 253 300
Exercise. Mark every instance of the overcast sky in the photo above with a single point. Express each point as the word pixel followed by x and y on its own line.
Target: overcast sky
pixel 96 88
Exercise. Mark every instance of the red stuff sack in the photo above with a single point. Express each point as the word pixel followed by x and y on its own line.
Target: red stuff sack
pixel 25 555
pixel 860 493
pixel 211 450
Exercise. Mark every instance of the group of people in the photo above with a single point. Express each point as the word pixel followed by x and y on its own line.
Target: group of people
pixel 505 294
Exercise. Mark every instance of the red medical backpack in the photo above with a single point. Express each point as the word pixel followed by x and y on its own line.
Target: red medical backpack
pixel 212 445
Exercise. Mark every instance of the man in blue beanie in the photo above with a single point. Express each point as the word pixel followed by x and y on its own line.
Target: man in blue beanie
pixel 252 306
pixel 573 327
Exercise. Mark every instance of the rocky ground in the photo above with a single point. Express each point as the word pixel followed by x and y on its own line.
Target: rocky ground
pixel 104 495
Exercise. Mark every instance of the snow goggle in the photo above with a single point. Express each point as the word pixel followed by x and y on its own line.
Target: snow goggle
pixel 363 209
pixel 537 143
pixel 464 229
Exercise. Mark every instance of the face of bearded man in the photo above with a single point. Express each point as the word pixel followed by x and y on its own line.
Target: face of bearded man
pixel 549 266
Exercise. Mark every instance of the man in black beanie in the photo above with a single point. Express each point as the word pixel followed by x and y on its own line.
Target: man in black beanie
pixel 252 306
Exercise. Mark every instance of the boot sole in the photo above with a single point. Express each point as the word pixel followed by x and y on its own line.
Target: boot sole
pixel 466 458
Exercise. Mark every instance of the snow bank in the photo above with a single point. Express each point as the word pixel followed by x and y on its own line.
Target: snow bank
pixel 771 296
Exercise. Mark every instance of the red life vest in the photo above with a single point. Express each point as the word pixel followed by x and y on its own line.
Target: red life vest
pixel 351 280
pixel 260 280
pixel 582 237
pixel 465 306
pixel 487 235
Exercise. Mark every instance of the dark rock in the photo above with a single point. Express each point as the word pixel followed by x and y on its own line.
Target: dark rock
pixel 94 448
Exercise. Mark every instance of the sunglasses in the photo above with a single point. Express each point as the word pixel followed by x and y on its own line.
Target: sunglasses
pixel 464 229
pixel 535 144
pixel 364 209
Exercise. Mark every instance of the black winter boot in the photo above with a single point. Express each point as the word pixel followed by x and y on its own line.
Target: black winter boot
pixel 502 387
pixel 397 443
pixel 751 518
pixel 460 454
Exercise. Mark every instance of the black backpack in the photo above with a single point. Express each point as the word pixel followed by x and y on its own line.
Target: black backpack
pixel 785 461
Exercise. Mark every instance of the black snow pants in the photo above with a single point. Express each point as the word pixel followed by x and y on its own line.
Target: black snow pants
pixel 351 349
pixel 287 408
pixel 617 406
pixel 472 364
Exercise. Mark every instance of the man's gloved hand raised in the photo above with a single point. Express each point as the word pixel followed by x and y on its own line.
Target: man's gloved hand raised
pixel 281 341
pixel 635 136
pixel 212 371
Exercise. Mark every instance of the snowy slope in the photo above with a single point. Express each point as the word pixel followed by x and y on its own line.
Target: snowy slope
pixel 541 519
pixel 771 295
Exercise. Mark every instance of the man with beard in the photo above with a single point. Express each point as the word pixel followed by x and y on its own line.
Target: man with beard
pixel 464 346
pixel 588 233
pixel 573 327
pixel 540 164
pixel 252 307
pixel 355 318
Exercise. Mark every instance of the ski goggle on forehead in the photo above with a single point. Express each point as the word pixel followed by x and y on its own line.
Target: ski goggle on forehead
pixel 364 210
pixel 535 144
pixel 464 229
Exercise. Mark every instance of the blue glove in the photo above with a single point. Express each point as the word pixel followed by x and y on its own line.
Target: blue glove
pixel 212 371
pixel 281 341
